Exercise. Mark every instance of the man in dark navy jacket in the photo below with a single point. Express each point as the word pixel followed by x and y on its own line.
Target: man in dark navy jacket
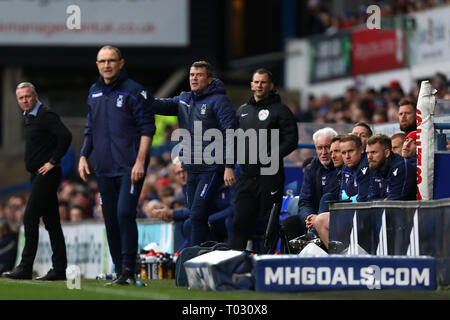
pixel 355 176
pixel 321 177
pixel 392 176
pixel 320 221
pixel 204 108
pixel 220 219
pixel 353 181
pixel 119 130
pixel 46 141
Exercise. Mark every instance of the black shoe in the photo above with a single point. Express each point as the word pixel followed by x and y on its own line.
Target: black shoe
pixel 309 236
pixel 52 275
pixel 335 246
pixel 18 273
pixel 126 277
pixel 302 241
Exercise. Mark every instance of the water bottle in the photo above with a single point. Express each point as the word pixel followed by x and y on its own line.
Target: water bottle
pixel 152 266
pixel 143 272
pixel 160 266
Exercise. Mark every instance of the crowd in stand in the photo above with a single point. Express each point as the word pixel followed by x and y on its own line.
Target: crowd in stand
pixel 81 201
pixel 368 105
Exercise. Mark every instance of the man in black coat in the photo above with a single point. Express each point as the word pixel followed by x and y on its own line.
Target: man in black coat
pixel 46 141
pixel 261 183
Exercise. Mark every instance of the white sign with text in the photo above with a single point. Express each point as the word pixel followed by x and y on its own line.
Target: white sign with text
pixel 94 22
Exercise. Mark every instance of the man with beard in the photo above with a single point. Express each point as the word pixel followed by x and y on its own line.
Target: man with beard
pixel 392 176
pixel 407 116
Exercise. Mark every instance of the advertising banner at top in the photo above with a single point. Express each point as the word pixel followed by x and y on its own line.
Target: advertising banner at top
pixel 430 41
pixel 94 22
pixel 329 57
pixel 377 50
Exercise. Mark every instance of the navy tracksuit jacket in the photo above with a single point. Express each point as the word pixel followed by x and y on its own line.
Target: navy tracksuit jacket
pixel 118 115
pixel 396 182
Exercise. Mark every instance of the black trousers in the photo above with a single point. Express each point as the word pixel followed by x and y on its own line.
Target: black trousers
pixel 43 202
pixel 253 200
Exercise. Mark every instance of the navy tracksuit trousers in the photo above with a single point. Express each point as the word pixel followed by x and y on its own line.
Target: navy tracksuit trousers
pixel 119 199
pixel 202 189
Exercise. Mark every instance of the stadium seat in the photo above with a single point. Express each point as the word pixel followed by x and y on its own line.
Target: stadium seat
pixel 285 203
pixel 292 207
pixel 291 187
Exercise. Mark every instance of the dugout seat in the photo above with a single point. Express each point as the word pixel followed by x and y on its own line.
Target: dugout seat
pixel 292 207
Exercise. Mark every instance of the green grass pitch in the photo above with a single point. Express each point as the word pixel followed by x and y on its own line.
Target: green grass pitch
pixel 167 290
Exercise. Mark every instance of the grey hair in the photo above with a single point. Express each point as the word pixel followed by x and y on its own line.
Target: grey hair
pixel 324 132
pixel 26 85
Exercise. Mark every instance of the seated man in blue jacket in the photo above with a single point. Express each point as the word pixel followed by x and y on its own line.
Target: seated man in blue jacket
pixel 320 177
pixel 321 221
pixel 355 175
pixel 392 176
pixel 354 181
pixel 205 107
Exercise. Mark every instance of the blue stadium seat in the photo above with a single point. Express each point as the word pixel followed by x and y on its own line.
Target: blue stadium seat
pixel 285 203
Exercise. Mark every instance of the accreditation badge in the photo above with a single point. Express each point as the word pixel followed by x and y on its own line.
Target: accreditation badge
pixel 263 114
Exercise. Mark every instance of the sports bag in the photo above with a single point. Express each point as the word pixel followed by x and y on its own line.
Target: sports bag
pixel 192 252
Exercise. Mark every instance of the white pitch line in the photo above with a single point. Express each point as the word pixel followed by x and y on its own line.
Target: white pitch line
pixel 148 294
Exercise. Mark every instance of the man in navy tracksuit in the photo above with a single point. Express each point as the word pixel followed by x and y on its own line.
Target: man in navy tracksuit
pixel 392 176
pixel 355 175
pixel 321 220
pixel 204 107
pixel 219 221
pixel 119 131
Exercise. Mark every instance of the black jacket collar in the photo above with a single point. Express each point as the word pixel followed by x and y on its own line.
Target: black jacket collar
pixel 271 99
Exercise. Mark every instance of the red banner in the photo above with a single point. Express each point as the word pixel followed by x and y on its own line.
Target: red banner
pixel 377 50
